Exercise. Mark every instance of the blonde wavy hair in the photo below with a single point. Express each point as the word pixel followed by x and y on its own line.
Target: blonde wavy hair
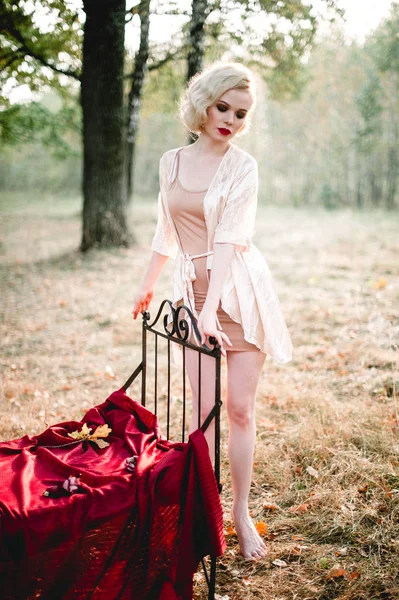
pixel 206 87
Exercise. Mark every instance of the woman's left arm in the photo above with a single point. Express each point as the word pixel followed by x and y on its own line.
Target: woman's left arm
pixel 222 256
pixel 234 231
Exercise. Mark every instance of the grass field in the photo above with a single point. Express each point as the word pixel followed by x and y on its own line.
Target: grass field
pixel 325 488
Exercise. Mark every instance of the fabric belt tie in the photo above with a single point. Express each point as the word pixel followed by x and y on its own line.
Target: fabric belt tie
pixel 188 276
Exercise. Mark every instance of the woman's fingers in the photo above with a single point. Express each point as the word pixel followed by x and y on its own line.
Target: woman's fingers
pixel 226 339
pixel 142 304
pixel 137 308
pixel 219 336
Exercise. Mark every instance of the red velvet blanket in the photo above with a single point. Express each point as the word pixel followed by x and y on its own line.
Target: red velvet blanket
pixel 136 532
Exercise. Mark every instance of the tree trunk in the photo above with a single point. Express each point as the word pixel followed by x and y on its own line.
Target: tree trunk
pixel 196 40
pixel 392 178
pixel 104 218
pixel 135 95
pixel 196 43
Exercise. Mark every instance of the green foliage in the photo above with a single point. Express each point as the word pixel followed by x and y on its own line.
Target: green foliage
pixel 277 49
pixel 36 55
pixel 368 101
pixel 28 123
pixel 383 44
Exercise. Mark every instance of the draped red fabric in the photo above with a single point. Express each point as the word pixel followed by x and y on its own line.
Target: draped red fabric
pixel 128 534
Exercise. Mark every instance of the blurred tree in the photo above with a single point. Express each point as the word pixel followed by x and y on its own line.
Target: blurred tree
pixel 383 47
pixel 43 56
pixel 104 213
pixel 367 136
pixel 136 90
pixel 28 123
pixel 38 57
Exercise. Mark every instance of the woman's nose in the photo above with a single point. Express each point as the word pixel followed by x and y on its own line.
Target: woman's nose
pixel 228 118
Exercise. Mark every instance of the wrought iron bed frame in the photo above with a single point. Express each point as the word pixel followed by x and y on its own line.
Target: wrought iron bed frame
pixel 178 333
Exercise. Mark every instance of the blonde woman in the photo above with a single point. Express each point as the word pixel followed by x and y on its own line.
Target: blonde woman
pixel 206 217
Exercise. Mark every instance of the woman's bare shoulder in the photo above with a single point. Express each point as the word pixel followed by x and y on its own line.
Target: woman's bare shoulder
pixel 169 155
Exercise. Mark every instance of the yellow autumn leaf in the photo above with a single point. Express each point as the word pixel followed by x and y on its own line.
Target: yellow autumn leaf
pixel 84 433
pixel 101 432
pixel 100 443
pixel 85 429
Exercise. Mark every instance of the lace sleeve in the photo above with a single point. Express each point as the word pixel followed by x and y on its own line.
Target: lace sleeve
pixel 164 240
pixel 237 222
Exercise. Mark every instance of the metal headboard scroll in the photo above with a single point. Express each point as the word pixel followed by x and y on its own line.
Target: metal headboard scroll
pixel 176 329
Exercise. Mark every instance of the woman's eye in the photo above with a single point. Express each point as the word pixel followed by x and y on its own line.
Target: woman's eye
pixel 240 115
pixel 221 107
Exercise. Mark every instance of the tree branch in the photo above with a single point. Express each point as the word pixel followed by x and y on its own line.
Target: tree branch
pixel 169 56
pixel 25 49
pixel 12 58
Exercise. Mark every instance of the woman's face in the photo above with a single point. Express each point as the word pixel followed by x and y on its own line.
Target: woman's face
pixel 228 114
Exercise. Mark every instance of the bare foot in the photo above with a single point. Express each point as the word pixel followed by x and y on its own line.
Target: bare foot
pixel 251 544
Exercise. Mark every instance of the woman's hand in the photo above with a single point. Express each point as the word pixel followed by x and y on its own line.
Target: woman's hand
pixel 142 301
pixel 207 328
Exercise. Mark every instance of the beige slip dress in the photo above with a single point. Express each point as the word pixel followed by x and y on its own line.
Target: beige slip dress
pixel 186 210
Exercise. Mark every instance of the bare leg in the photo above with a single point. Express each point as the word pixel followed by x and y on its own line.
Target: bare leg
pixel 243 371
pixel 207 392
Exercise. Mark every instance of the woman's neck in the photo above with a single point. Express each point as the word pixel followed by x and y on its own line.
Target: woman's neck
pixel 206 146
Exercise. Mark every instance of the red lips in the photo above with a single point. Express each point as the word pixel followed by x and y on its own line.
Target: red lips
pixel 224 131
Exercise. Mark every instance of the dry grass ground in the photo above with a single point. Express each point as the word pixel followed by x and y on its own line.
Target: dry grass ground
pixel 326 479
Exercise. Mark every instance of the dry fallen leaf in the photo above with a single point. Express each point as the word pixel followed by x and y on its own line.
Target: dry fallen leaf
pixel 261 527
pixel 270 507
pixel 230 531
pixel 301 508
pixel 379 284
pixel 363 488
pixel 313 472
pixel 82 434
pixel 336 572
pixel 280 563
pixel 101 431
pixel 354 575
pixel 85 434
pixel 109 372
pixel 100 443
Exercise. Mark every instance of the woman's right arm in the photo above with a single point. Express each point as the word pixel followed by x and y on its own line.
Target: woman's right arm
pixel 146 290
pixel 163 245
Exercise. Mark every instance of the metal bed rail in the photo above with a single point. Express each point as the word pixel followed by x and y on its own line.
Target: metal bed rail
pixel 177 326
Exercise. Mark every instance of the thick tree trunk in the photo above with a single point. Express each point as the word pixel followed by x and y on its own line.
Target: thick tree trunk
pixel 196 43
pixel 104 219
pixel 135 95
pixel 196 40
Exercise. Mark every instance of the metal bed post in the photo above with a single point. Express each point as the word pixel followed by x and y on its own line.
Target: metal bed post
pixel 179 333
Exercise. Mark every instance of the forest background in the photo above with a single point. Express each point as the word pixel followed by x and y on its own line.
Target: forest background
pixel 326 128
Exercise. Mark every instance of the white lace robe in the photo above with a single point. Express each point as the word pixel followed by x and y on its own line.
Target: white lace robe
pixel 248 295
